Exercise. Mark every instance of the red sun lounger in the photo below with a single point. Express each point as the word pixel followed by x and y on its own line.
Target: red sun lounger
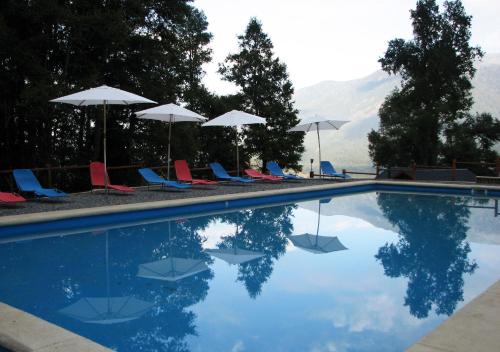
pixel 183 174
pixel 98 175
pixel 11 198
pixel 260 176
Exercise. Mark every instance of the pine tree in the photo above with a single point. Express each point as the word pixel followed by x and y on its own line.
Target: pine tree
pixel 436 68
pixel 266 91
pixel 53 48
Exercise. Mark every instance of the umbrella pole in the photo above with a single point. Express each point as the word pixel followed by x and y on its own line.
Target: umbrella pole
pixel 319 145
pixel 169 135
pixel 104 149
pixel 319 217
pixel 237 154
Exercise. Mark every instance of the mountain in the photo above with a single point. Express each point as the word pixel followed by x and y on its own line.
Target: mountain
pixel 482 220
pixel 359 100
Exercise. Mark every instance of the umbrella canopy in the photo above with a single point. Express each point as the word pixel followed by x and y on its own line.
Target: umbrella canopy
pixel 171 269
pixel 317 244
pixel 107 310
pixel 234 119
pixel 170 113
pixel 234 255
pixel 103 95
pixel 317 123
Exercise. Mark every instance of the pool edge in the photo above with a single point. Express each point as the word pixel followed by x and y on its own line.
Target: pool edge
pixel 474 327
pixel 22 331
pixel 9 224
pixel 16 342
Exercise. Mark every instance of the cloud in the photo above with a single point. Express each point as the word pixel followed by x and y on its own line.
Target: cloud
pixel 239 346
pixel 377 313
pixel 328 39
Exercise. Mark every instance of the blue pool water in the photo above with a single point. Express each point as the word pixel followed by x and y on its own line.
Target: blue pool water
pixel 373 272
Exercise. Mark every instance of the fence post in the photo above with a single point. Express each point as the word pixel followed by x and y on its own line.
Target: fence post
pixel 497 166
pixel 377 171
pixel 414 170
pixel 49 171
pixel 454 170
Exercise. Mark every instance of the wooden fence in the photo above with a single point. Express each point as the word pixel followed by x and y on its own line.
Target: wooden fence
pixel 48 172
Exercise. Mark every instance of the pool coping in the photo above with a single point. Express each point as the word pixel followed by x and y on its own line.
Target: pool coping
pixel 474 327
pixel 23 219
pixel 24 332
pixel 15 331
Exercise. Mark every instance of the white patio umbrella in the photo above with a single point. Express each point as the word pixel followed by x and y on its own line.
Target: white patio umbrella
pixel 317 123
pixel 315 243
pixel 234 119
pixel 170 113
pixel 104 96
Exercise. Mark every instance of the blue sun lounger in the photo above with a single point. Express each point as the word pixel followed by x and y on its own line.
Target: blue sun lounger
pixel 276 170
pixel 222 174
pixel 327 169
pixel 27 182
pixel 152 178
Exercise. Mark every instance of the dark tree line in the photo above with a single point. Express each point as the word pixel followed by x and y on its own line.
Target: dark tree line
pixel 153 48
pixel 428 119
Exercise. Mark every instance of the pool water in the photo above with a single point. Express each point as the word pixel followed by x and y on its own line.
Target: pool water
pixel 365 272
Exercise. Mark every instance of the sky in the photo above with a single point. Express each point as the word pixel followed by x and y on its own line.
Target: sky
pixel 323 40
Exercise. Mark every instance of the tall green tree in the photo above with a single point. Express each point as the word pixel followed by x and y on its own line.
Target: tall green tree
pixel 267 91
pixel 436 68
pixel 51 48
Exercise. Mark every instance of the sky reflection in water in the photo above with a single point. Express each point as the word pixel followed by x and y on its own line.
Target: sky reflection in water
pixel 235 282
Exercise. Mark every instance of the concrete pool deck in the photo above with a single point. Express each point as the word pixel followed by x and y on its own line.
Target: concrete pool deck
pixel 88 204
pixel 23 332
pixel 473 328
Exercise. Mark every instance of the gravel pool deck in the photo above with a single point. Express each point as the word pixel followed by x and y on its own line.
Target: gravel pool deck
pixel 142 194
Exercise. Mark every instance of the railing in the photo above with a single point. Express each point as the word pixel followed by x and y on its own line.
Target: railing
pixel 48 172
pixel 477 167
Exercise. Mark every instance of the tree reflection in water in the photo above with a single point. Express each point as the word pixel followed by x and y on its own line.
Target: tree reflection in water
pixel 171 322
pixel 263 230
pixel 431 251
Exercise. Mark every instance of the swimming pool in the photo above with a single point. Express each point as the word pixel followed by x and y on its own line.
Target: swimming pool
pixel 377 272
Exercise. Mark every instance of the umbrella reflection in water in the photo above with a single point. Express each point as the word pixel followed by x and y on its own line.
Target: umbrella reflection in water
pixel 172 268
pixel 107 310
pixel 315 243
pixel 234 254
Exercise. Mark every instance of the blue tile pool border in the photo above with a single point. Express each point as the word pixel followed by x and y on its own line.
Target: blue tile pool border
pixel 131 216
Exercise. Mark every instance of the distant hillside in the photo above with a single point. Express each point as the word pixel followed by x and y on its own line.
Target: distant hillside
pixel 359 101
